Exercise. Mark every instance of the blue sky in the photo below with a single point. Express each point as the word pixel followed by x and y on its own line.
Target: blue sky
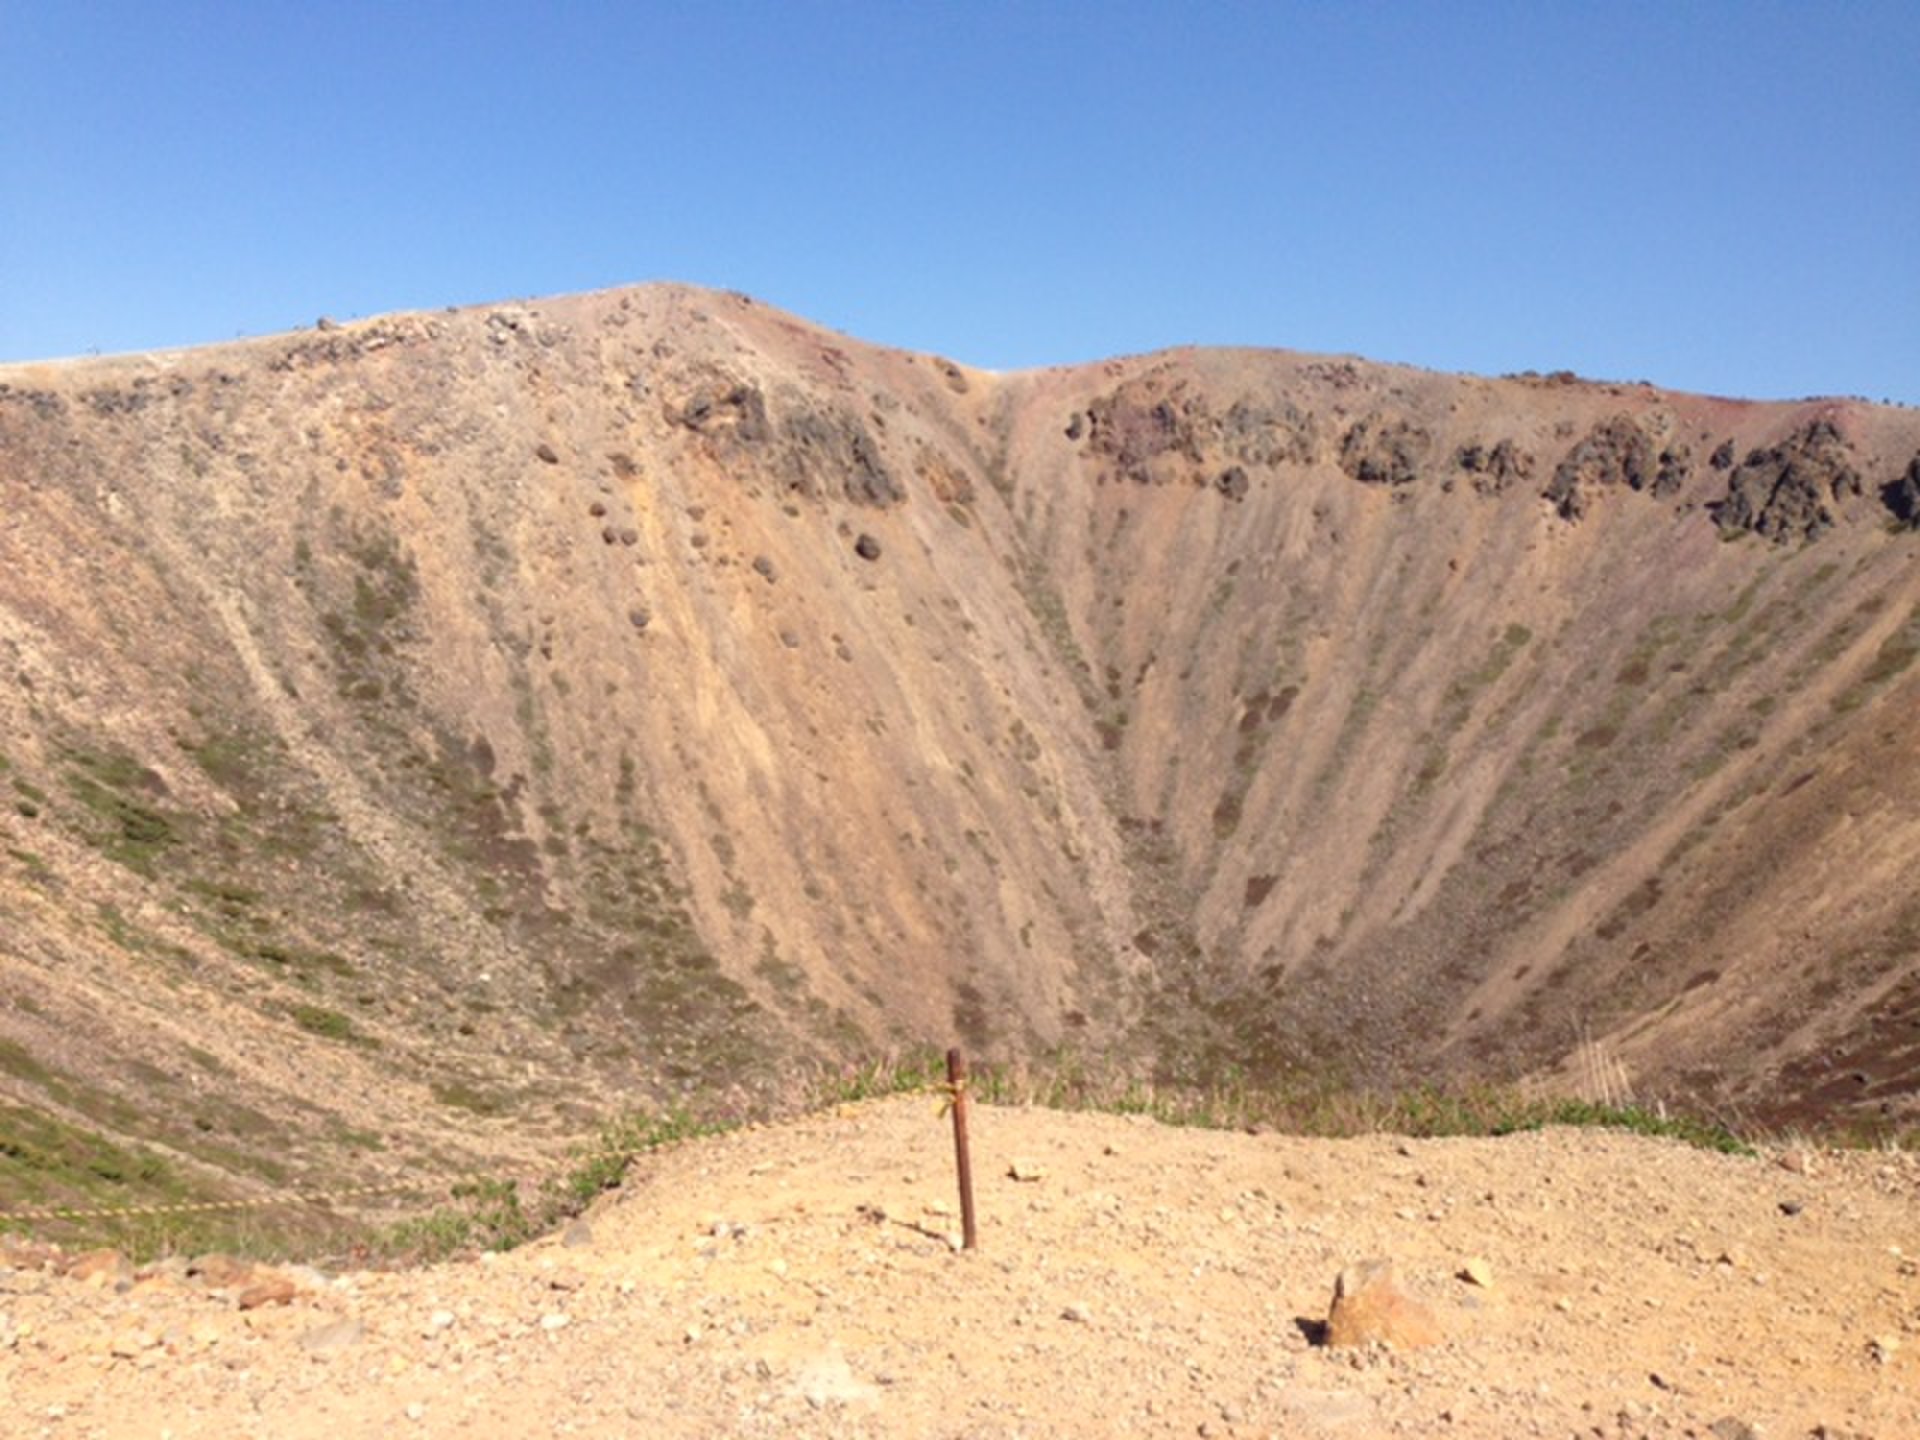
pixel 1720 197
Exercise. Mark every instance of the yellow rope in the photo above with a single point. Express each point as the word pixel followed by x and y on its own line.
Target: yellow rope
pixel 324 1198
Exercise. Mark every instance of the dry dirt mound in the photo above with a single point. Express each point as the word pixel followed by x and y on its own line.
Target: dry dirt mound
pixel 1141 1280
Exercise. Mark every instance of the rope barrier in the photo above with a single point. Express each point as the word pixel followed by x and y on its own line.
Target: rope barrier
pixel 326 1198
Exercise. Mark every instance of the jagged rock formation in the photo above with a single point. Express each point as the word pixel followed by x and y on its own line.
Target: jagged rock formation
pixel 1788 491
pixel 511 713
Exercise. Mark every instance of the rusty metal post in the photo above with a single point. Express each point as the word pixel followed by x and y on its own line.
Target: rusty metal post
pixel 957 1087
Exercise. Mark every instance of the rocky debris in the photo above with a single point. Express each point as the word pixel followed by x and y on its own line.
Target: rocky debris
pixel 1384 450
pixel 810 449
pixel 1256 433
pixel 1369 1308
pixel 822 448
pixel 1616 453
pixel 1144 424
pixel 1902 496
pixel 724 409
pixel 1788 491
pixel 1496 469
pixel 1153 431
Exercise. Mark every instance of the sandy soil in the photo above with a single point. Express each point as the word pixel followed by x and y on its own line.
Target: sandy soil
pixel 798 1280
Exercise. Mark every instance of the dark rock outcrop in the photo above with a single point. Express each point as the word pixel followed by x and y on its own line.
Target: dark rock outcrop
pixel 1902 496
pixel 1145 422
pixel 1788 491
pixel 1496 469
pixel 1616 453
pixel 1379 450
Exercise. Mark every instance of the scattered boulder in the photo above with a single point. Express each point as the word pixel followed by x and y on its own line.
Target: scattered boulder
pixel 1232 482
pixel 1369 1308
pixel 1787 492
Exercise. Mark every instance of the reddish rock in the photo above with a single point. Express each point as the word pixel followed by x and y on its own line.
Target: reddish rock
pixel 268 1288
pixel 100 1266
pixel 220 1272
pixel 1369 1307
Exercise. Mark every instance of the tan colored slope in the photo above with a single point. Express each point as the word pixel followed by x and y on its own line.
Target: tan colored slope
pixel 424 735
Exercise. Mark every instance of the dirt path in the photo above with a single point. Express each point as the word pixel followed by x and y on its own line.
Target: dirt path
pixel 1149 1281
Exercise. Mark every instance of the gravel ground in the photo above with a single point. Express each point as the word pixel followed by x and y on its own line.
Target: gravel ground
pixel 1130 1279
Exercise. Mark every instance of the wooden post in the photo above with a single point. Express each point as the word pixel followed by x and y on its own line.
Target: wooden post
pixel 957 1083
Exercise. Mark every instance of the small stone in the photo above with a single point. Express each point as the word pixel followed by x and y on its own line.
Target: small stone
pixel 338 1335
pixel 867 548
pixel 546 453
pixel 416 1411
pixel 763 567
pixel 220 1272
pixel 1026 1172
pixel 100 1267
pixel 576 1235
pixel 1731 1427
pixel 440 1320
pixel 1477 1272
pixel 555 1321
pixel 1370 1307
pixel 268 1289
pixel 1791 1207
pixel 1077 1313
pixel 1883 1348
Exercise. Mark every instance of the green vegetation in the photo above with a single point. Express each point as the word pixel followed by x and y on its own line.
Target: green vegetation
pixel 491 1214
pixel 46 1162
pixel 328 1024
pixel 1896 653
pixel 128 827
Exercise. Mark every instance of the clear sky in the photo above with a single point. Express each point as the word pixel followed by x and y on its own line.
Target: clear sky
pixel 1714 196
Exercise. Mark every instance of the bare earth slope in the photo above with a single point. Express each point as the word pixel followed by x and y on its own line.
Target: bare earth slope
pixel 1146 1281
pixel 420 736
